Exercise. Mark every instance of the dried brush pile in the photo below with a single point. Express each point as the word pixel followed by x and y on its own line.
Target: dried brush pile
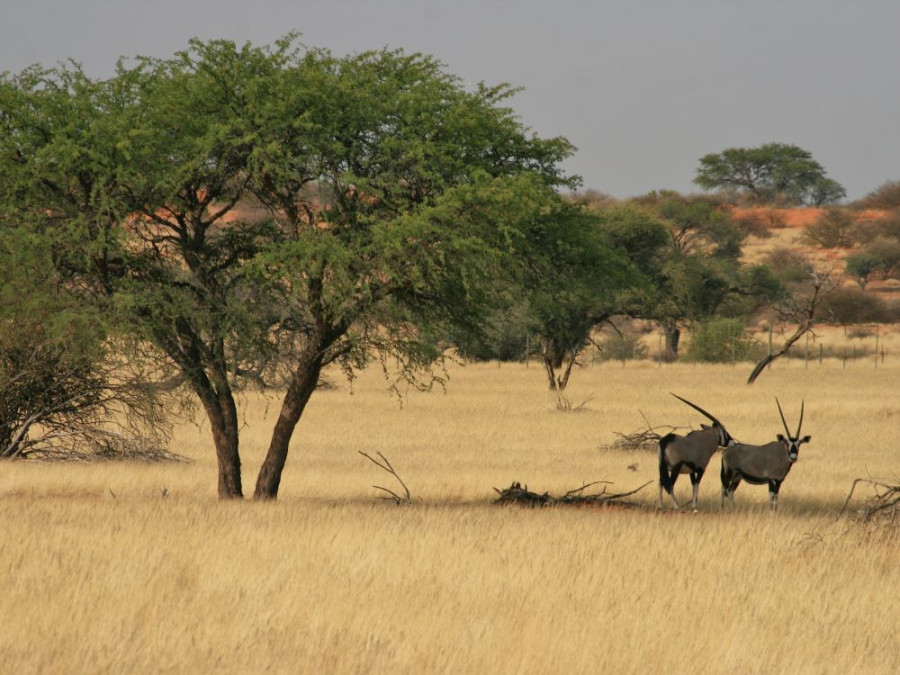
pixel 516 494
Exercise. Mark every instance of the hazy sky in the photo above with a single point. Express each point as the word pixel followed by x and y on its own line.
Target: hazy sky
pixel 643 88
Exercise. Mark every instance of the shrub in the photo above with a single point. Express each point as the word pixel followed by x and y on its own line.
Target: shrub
pixel 850 305
pixel 871 228
pixel 724 340
pixel 887 196
pixel 619 347
pixel 833 228
pixel 861 266
pixel 788 265
pixel 755 224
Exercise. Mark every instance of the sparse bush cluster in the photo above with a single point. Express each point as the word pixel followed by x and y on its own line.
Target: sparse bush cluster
pixel 723 341
pixel 887 196
pixel 835 228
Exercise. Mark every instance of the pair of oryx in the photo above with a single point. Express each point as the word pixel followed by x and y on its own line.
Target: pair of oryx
pixel 767 464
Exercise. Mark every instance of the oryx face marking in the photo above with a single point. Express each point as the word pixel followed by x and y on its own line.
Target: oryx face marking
pixel 767 464
pixel 793 445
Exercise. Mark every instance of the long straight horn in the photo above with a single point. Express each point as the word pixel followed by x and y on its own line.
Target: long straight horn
pixel 783 421
pixel 799 426
pixel 698 409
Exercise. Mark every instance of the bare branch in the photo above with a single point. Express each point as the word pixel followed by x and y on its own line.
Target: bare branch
pixel 887 498
pixel 387 466
pixel 800 310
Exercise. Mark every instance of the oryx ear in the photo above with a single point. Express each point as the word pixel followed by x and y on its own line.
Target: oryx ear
pixel 705 426
pixel 781 438
pixel 806 439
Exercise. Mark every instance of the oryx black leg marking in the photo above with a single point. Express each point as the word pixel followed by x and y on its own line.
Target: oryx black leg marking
pixel 696 477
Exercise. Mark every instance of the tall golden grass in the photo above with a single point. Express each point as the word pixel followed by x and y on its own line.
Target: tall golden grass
pixel 119 567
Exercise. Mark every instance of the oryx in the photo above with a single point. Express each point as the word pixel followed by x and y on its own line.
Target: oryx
pixel 762 464
pixel 689 454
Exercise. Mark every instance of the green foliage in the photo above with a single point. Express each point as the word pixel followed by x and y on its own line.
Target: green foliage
pixel 697 274
pixel 861 266
pixel 723 341
pixel 400 201
pixel 700 226
pixel 769 172
pixel 879 258
pixel 505 335
pixel 636 231
pixel 582 268
pixel 622 346
pixel 60 391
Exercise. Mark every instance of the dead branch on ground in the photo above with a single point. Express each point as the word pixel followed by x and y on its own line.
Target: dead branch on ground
pixel 386 466
pixel 516 494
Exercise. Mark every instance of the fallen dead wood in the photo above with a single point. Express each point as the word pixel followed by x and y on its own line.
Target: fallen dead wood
pixel 516 494
pixel 885 502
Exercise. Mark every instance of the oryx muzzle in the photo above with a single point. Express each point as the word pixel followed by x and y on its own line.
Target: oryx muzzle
pixel 689 454
pixel 767 464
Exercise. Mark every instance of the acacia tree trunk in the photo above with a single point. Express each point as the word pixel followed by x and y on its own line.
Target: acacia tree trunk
pixel 303 383
pixel 559 380
pixel 557 358
pixel 673 339
pixel 208 377
pixel 223 420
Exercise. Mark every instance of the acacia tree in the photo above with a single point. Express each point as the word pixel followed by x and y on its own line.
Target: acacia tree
pixel 698 266
pixel 593 266
pixel 390 197
pixel 572 285
pixel 768 172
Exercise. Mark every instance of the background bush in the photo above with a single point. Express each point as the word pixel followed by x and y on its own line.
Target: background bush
pixel 722 341
pixel 616 347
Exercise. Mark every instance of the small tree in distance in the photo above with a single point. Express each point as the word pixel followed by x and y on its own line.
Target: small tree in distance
pixel 769 172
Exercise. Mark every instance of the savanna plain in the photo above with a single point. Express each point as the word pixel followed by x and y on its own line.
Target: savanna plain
pixel 129 567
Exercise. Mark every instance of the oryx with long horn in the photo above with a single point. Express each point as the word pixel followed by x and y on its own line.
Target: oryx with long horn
pixel 767 464
pixel 689 454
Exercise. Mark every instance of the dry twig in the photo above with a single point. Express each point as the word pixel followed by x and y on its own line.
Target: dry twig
pixel 386 465
pixel 885 502
pixel 642 439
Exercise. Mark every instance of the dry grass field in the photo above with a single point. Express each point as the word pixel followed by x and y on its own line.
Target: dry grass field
pixel 135 568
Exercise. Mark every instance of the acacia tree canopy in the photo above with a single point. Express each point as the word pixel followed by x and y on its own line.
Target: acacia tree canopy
pixel 387 197
pixel 769 172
